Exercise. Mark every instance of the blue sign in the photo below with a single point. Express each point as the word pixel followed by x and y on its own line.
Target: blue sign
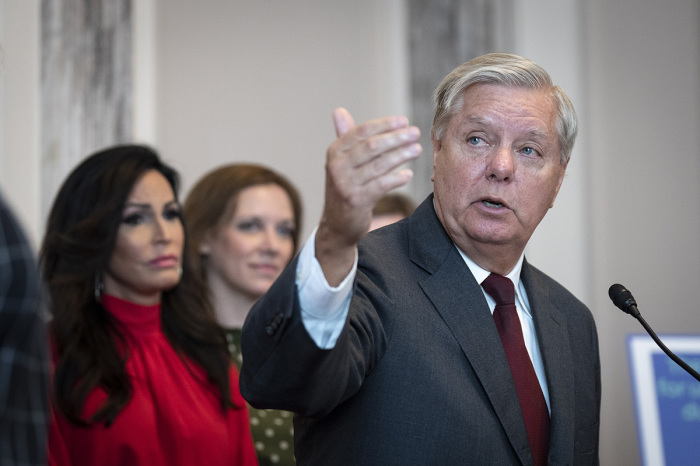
pixel 678 395
pixel 667 400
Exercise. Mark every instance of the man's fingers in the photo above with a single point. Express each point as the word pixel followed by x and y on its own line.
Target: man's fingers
pixel 379 126
pixel 364 163
pixel 381 185
pixel 351 135
pixel 365 185
pixel 358 152
pixel 384 163
pixel 378 145
pixel 343 121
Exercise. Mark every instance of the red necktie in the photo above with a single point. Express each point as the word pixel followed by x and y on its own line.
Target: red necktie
pixel 532 402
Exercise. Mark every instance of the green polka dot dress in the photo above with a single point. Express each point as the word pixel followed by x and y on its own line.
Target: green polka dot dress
pixel 273 431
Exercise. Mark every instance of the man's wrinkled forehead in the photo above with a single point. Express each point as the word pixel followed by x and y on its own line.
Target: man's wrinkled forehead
pixel 482 117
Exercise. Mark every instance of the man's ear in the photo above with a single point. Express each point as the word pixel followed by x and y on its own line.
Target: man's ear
pixel 559 182
pixel 437 145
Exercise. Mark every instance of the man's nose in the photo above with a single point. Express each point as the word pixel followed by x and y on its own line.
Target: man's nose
pixel 501 164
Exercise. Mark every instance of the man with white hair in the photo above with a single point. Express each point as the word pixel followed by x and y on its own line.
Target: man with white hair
pixel 433 340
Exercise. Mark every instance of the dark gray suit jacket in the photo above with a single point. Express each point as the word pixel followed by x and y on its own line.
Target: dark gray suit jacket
pixel 419 375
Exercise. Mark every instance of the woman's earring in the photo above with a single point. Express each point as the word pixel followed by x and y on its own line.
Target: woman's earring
pixel 99 287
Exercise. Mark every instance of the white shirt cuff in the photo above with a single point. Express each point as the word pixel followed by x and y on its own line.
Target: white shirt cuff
pixel 323 308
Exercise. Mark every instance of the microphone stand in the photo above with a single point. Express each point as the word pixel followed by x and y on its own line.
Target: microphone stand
pixel 670 354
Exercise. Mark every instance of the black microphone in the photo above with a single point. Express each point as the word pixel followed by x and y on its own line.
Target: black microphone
pixel 622 298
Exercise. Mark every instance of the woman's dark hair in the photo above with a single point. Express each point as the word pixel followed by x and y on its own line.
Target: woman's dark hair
pixel 80 238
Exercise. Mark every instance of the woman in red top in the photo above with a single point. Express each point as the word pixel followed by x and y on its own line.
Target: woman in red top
pixel 142 374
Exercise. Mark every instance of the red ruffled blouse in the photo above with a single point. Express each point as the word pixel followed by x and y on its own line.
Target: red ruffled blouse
pixel 173 418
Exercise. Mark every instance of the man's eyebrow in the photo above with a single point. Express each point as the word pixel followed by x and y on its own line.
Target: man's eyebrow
pixel 537 134
pixel 478 120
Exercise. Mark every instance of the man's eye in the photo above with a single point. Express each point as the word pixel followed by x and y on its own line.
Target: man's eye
pixel 528 151
pixel 474 140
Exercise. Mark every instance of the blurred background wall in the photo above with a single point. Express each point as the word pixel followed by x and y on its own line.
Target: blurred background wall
pixel 221 81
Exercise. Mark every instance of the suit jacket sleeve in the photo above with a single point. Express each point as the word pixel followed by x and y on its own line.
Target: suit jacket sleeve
pixel 284 369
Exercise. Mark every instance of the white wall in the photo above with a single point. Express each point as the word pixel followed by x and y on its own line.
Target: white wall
pixel 223 81
pixel 643 90
pixel 19 112
pixel 258 81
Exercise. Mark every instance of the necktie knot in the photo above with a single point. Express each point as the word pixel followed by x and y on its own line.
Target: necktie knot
pixel 500 288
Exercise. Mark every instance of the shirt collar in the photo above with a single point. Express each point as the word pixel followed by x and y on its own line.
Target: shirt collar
pixel 480 275
pixel 514 276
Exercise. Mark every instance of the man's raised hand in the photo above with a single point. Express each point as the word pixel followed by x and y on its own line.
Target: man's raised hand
pixel 362 164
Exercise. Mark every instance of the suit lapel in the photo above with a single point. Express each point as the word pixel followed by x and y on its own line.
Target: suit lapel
pixel 553 339
pixel 458 298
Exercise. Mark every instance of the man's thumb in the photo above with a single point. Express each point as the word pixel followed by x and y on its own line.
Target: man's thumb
pixel 343 121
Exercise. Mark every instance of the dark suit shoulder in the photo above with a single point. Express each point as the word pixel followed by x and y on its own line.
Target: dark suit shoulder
pixel 419 240
pixel 390 240
pixel 542 283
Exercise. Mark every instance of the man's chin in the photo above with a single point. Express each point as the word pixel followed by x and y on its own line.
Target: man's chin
pixel 491 232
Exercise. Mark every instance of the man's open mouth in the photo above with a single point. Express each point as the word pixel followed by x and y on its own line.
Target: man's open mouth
pixel 490 203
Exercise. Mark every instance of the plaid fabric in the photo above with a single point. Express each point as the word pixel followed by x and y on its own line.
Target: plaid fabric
pixel 23 351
